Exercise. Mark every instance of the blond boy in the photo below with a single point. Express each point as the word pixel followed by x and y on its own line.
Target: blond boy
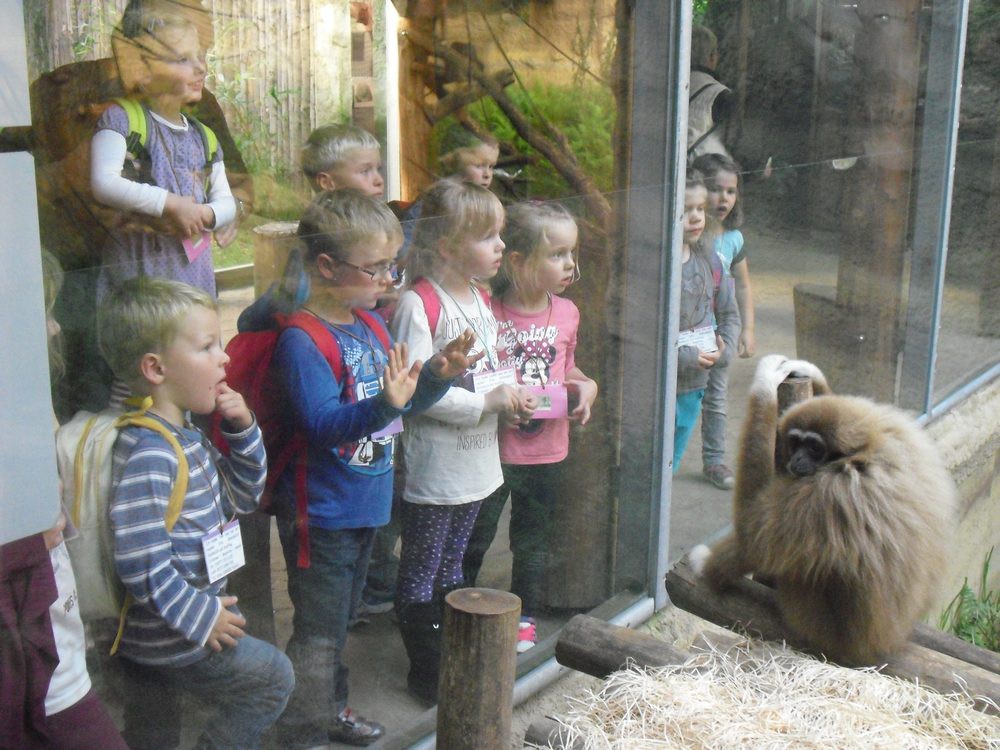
pixel 343 156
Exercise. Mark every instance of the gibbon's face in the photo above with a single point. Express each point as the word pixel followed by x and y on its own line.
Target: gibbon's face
pixel 826 430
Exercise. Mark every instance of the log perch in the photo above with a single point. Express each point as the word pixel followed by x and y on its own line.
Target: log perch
pixel 599 648
pixel 750 607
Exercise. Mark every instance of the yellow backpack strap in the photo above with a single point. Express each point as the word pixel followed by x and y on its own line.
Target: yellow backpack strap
pixel 137 126
pixel 78 471
pixel 175 504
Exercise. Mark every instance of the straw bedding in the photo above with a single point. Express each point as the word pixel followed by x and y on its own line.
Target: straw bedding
pixel 774 699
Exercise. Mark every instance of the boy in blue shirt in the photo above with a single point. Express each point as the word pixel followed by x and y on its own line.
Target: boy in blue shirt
pixel 349 420
pixel 183 631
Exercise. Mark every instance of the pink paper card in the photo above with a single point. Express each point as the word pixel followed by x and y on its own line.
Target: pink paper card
pixel 552 401
pixel 393 428
pixel 194 248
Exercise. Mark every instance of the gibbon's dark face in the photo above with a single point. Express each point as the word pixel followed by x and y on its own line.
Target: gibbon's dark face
pixel 822 431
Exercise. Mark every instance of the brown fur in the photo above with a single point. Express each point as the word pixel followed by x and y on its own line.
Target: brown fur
pixel 856 549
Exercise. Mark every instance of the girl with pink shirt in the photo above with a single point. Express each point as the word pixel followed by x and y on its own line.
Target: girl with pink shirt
pixel 537 338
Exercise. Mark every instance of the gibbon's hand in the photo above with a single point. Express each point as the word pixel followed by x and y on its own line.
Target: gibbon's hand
pixel 774 368
pixel 454 359
pixel 802 369
pixel 697 558
pixel 232 407
pixel 227 628
pixel 399 379
pixel 186 217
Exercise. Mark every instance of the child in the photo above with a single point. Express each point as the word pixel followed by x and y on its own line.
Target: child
pixel 708 316
pixel 343 156
pixel 464 156
pixel 725 214
pixel 452 461
pixel 183 631
pixel 169 178
pixel 538 339
pixel 47 696
pixel 349 422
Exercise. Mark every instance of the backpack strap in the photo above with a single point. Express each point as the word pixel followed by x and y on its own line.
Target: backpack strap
pixel 374 322
pixel 138 126
pixel 717 273
pixel 432 303
pixel 175 504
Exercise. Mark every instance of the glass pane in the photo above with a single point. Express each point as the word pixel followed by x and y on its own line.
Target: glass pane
pixel 839 116
pixel 520 105
pixel 970 317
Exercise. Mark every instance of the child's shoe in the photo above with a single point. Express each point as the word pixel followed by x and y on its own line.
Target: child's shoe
pixel 526 634
pixel 350 728
pixel 720 475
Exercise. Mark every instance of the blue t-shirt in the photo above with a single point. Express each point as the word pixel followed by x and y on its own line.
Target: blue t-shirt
pixel 729 248
pixel 349 474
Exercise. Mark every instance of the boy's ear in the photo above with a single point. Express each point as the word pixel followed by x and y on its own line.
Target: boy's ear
pixel 325 181
pixel 151 367
pixel 326 266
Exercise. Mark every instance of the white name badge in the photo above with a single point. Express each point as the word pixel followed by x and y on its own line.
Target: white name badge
pixel 703 338
pixel 223 551
pixel 484 382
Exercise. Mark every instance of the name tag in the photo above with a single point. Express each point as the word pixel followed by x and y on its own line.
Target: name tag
pixel 703 338
pixel 553 402
pixel 393 428
pixel 223 550
pixel 194 248
pixel 484 382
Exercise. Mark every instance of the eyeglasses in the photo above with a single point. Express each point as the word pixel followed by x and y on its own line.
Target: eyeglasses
pixel 389 269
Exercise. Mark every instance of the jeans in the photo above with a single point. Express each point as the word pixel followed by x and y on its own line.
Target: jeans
pixel 713 417
pixel 688 406
pixel 248 684
pixel 324 596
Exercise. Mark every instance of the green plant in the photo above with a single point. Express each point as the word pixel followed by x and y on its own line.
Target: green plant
pixel 975 618
pixel 584 113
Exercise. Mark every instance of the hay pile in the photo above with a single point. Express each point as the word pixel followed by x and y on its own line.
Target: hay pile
pixel 774 699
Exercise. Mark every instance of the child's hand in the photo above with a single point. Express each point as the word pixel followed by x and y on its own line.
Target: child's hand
pixel 747 344
pixel 454 359
pixel 707 360
pixel 54 536
pixel 585 393
pixel 225 236
pixel 233 408
pixel 227 628
pixel 399 380
pixel 503 400
pixel 527 403
pixel 187 218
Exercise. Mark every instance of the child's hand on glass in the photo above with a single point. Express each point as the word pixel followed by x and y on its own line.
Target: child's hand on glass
pixel 454 359
pixel 227 628
pixel 187 218
pixel 233 408
pixel 583 393
pixel 399 379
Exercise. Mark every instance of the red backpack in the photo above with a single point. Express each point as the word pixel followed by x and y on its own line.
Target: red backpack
pixel 432 303
pixel 249 373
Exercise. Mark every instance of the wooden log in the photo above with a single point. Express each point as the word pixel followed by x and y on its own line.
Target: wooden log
pixel 793 390
pixel 599 648
pixel 549 733
pixel 947 643
pixel 479 659
pixel 271 245
pixel 750 607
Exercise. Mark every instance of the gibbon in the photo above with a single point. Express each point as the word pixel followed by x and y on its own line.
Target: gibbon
pixel 846 505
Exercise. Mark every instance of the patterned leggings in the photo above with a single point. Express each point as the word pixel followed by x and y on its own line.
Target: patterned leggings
pixel 434 542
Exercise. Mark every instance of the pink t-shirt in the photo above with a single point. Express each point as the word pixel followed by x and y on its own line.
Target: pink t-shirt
pixel 541 348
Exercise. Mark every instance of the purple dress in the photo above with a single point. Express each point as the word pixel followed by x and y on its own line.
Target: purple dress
pixel 178 165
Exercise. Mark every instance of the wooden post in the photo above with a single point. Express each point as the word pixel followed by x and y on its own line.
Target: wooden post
pixel 793 390
pixel 271 245
pixel 479 658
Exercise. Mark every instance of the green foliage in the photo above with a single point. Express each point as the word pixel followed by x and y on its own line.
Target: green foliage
pixel 700 10
pixel 973 618
pixel 584 113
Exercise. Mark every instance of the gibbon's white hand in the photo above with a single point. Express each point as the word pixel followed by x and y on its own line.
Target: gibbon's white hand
pixel 697 557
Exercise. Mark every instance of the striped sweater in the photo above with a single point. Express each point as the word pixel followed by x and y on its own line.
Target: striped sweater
pixel 175 605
